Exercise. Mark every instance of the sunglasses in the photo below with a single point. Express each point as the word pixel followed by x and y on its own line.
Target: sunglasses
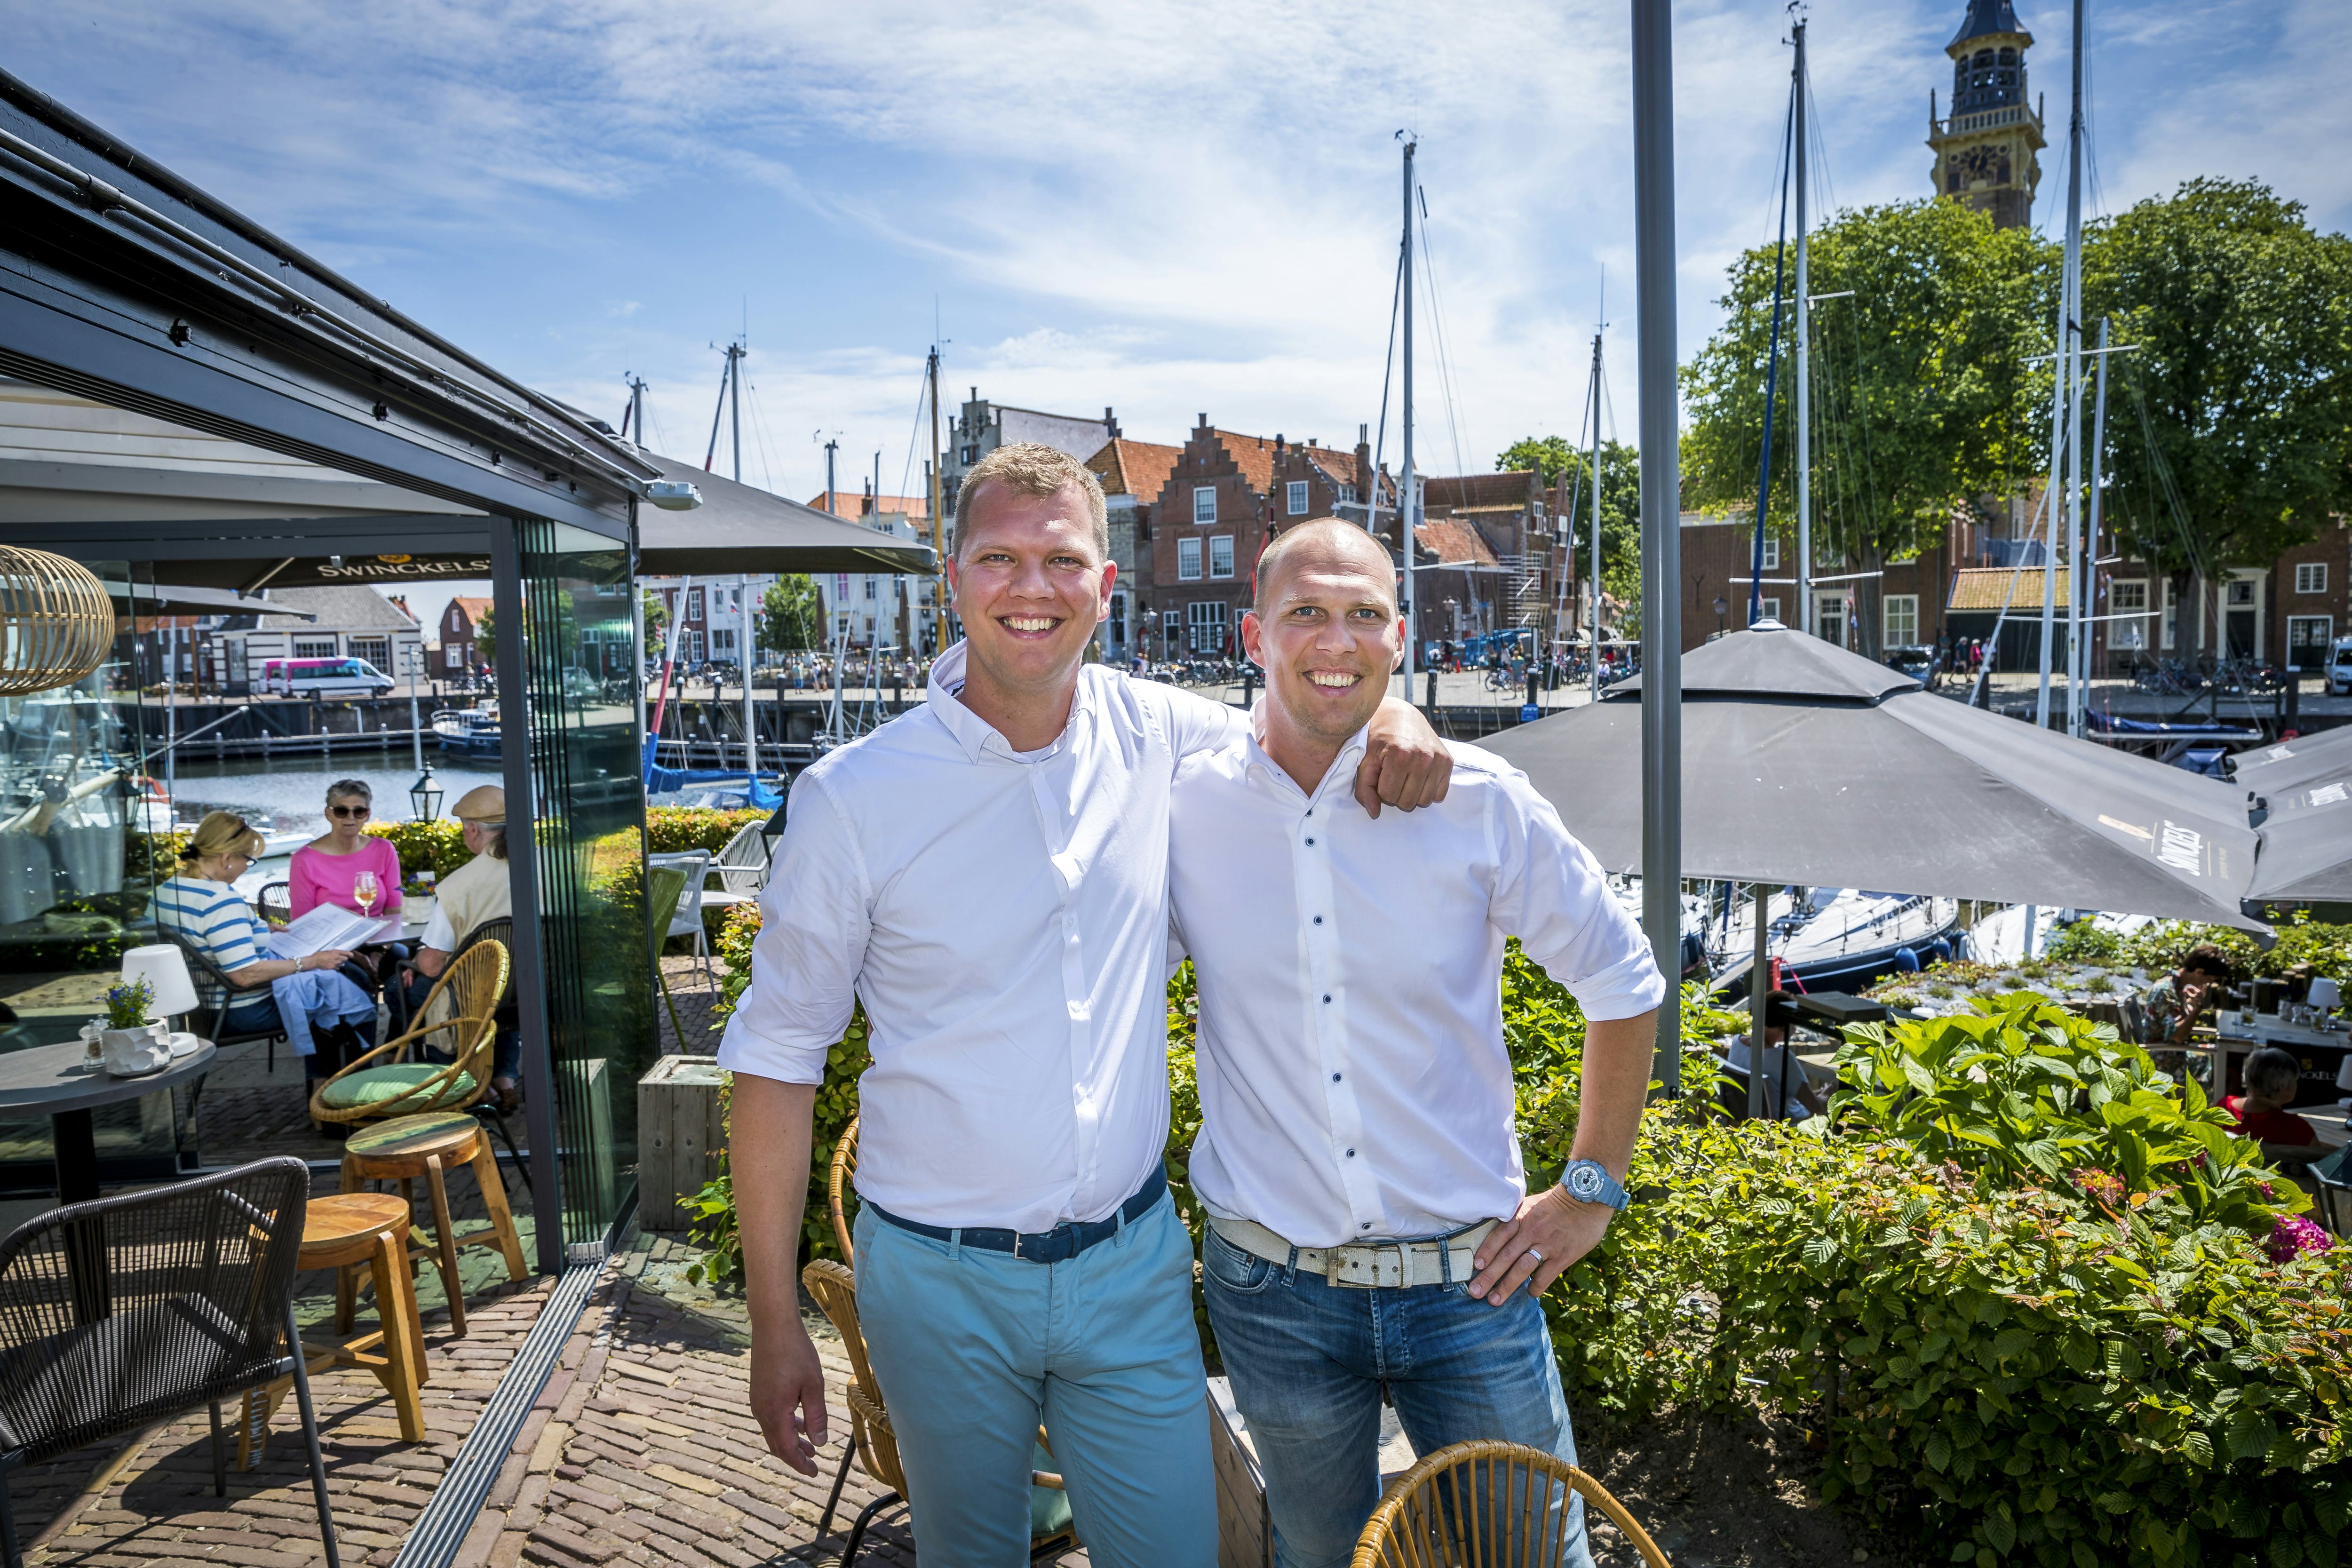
pixel 350 811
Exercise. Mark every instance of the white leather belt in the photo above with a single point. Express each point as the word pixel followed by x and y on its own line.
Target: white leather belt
pixel 1364 1265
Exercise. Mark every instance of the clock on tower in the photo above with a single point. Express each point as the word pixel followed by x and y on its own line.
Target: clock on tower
pixel 1987 151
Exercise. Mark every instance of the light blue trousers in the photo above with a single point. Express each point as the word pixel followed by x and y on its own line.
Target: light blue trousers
pixel 975 1350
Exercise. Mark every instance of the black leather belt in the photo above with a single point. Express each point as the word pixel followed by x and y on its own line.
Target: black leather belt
pixel 1058 1245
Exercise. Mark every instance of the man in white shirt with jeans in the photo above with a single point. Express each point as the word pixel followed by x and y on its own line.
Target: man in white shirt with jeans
pixel 988 874
pixel 1369 1223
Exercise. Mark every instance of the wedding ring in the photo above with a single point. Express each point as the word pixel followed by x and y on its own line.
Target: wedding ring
pixel 1535 1253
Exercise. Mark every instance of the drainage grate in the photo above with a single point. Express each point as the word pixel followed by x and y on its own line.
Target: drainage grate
pixel 441 1529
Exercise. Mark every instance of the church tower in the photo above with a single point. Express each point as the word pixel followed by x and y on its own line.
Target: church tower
pixel 1987 153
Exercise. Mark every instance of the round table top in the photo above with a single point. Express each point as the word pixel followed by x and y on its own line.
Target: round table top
pixel 413 1137
pixel 344 1218
pixel 48 1080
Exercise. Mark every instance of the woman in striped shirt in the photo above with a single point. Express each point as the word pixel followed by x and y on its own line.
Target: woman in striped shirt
pixel 201 906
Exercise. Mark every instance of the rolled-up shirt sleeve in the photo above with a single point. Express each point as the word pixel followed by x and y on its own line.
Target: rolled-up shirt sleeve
pixel 1550 893
pixel 813 927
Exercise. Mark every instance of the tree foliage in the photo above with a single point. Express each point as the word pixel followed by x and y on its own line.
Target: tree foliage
pixel 792 616
pixel 1921 399
pixel 1621 505
pixel 2230 430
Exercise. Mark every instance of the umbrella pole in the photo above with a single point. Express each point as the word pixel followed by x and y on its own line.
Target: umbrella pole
pixel 1759 985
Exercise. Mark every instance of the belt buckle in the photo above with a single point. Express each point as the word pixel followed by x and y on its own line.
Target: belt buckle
pixel 1386 1259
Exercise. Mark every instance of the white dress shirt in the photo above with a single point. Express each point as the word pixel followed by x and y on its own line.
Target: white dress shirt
pixel 1354 1083
pixel 1004 920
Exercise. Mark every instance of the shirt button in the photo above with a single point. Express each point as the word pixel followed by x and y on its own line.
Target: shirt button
pixel 1335 1077
pixel 1327 996
pixel 1366 1225
pixel 1352 1154
pixel 1318 919
pixel 1310 841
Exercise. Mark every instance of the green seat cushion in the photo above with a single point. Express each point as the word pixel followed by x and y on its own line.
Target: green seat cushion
pixel 376 1086
pixel 1049 1510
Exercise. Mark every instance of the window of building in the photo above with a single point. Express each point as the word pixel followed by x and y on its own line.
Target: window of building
pixel 1220 555
pixel 2171 636
pixel 694 605
pixel 1829 617
pixel 1205 503
pixel 314 647
pixel 1347 494
pixel 2127 599
pixel 841 585
pixel 869 588
pixel 2311 577
pixel 377 651
pixel 1768 608
pixel 1188 561
pixel 693 643
pixel 723 641
pixel 1204 624
pixel 1772 553
pixel 1298 498
pixel 1902 620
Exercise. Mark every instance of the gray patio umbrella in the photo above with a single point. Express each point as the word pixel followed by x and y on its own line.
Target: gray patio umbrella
pixel 740 528
pixel 1803 763
pixel 2304 789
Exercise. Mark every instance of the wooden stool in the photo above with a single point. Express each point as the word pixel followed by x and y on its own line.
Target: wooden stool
pixel 356 1232
pixel 427 1145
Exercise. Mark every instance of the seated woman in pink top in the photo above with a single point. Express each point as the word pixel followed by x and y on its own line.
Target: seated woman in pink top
pixel 328 869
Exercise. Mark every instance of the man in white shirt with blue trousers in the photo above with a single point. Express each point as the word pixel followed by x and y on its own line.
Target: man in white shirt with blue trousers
pixel 1369 1223
pixel 987 875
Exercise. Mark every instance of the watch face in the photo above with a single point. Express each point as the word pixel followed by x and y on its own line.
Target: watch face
pixel 1584 1182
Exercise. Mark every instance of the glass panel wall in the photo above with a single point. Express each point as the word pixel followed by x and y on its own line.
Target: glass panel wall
pixel 587 785
pixel 77 872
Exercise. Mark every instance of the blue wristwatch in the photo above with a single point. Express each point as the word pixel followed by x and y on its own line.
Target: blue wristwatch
pixel 1588 1181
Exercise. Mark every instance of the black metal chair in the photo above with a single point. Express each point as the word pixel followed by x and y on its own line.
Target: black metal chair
pixel 123 1311
pixel 508 1018
pixel 275 901
pixel 211 974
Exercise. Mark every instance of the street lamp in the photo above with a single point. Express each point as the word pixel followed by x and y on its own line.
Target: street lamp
pixel 424 796
pixel 1721 604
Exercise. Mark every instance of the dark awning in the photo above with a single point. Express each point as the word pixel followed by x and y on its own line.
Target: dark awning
pixel 176 599
pixel 1802 762
pixel 738 528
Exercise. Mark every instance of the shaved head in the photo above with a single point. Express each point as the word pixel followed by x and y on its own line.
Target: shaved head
pixel 1323 539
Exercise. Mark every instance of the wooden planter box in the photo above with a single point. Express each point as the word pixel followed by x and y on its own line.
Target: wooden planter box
pixel 679 1136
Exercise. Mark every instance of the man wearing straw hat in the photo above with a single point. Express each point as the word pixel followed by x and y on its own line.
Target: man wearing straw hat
pixel 988 876
pixel 1370 1232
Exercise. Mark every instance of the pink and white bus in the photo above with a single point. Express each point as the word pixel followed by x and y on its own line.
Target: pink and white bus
pixel 322 678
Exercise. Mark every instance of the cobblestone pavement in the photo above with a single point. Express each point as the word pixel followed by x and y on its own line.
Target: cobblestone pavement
pixel 696 996
pixel 642 1449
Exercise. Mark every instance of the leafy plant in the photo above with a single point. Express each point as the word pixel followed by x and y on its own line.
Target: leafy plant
pixel 2024 1092
pixel 127 1003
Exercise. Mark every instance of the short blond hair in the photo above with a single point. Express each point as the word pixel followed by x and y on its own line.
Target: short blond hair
pixel 222 833
pixel 1034 470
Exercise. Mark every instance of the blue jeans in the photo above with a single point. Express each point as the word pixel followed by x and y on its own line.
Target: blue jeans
pixel 975 1349
pixel 1308 1360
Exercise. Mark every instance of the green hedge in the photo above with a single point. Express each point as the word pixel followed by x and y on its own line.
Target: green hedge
pixel 2023 1293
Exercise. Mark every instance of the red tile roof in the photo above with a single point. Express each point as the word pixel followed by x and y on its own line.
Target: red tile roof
pixel 1454 543
pixel 475 609
pixel 1456 492
pixel 1254 455
pixel 1137 469
pixel 851 504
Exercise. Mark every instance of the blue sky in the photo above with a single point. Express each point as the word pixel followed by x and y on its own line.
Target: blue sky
pixel 1166 209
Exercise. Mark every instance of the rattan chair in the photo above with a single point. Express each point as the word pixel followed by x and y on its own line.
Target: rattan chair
pixel 123 1311
pixel 385 1083
pixel 836 1290
pixel 213 974
pixel 838 1191
pixel 508 1017
pixel 1487 1505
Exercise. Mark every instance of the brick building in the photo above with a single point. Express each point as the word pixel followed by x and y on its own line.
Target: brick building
pixel 1132 474
pixel 1487 559
pixel 455 654
pixel 1225 496
pixel 982 427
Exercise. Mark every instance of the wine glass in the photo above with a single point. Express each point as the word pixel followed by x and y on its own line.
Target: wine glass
pixel 365 890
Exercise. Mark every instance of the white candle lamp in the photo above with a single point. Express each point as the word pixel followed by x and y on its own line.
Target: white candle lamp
pixel 164 969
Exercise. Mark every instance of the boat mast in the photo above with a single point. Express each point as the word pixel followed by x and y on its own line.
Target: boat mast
pixel 1409 500
pixel 1592 411
pixel 2065 431
pixel 2078 586
pixel 938 547
pixel 1804 376
pixel 2091 538
pixel 736 351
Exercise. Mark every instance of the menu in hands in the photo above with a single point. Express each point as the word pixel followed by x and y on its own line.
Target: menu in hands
pixel 333 926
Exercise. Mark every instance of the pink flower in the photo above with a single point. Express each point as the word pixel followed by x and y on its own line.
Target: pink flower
pixel 2292 1236
pixel 2099 1186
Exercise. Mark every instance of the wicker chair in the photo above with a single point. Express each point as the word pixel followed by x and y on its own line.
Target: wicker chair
pixel 1486 1505
pixel 838 1191
pixel 210 974
pixel 123 1311
pixel 836 1290
pixel 508 1015
pixel 385 1083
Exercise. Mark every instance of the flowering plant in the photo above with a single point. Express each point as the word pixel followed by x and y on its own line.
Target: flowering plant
pixel 126 1003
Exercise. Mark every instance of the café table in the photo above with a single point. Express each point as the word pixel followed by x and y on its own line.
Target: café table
pixel 53 1081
